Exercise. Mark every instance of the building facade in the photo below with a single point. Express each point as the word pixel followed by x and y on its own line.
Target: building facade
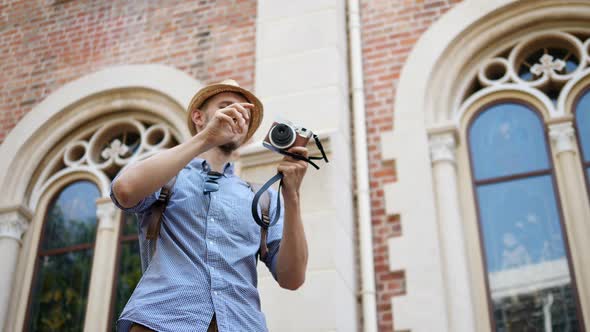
pixel 457 197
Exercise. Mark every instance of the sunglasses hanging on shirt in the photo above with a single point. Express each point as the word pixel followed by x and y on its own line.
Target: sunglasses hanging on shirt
pixel 281 137
pixel 211 184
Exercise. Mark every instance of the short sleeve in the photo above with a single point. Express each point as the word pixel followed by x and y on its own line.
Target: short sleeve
pixel 141 206
pixel 275 234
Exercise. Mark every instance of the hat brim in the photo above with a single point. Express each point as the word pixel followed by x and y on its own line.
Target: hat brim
pixel 207 92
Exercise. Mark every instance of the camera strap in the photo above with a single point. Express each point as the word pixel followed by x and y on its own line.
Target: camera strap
pixel 309 159
pixel 263 222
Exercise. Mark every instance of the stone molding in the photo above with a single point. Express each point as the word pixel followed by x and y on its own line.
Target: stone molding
pixel 443 147
pixel 13 224
pixel 472 40
pixel 563 137
pixel 106 213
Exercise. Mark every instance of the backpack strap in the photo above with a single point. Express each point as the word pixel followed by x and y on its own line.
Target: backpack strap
pixel 264 203
pixel 157 210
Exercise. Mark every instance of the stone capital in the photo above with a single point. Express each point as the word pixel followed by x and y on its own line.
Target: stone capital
pixel 562 135
pixel 13 224
pixel 442 147
pixel 106 213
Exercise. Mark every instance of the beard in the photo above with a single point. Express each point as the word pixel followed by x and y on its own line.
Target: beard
pixel 228 148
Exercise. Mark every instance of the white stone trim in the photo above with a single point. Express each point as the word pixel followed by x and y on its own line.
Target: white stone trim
pixel 13 224
pixel 40 188
pixel 82 154
pixel 106 213
pixel 156 94
pixel 563 137
pixel 423 307
pixel 316 96
pixel 569 87
pixel 497 89
pixel 429 96
pixel 443 147
pixel 469 24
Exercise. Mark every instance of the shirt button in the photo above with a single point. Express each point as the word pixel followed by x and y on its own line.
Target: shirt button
pixel 212 220
pixel 210 242
pixel 215 292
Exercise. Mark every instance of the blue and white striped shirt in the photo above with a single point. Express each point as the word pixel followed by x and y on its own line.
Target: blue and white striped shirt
pixel 205 262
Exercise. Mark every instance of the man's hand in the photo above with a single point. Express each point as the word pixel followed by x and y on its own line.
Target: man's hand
pixel 293 172
pixel 292 255
pixel 226 123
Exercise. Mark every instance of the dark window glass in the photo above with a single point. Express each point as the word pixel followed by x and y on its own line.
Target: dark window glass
pixel 129 265
pixel 528 271
pixel 505 140
pixel 60 285
pixel 583 125
pixel 72 218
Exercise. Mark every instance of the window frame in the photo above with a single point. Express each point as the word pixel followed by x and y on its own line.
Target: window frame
pixel 550 171
pixel 574 107
pixel 121 238
pixel 54 196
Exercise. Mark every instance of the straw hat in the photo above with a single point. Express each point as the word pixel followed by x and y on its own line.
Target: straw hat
pixel 226 86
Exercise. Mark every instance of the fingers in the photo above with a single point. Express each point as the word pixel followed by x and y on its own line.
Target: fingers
pixel 300 150
pixel 244 108
pixel 244 127
pixel 236 117
pixel 227 119
pixel 286 169
pixel 293 165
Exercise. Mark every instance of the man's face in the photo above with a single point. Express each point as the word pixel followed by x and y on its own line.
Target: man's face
pixel 217 102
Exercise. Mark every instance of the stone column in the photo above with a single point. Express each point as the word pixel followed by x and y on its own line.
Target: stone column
pixel 101 280
pixel 575 204
pixel 13 224
pixel 456 272
pixel 316 96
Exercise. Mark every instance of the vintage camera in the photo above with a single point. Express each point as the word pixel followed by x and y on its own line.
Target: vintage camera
pixel 284 135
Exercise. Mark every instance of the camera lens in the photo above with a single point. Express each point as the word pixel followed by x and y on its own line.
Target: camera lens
pixel 282 136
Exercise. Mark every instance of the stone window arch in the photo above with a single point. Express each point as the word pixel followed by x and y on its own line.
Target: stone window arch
pixel 540 68
pixel 481 53
pixel 86 131
pixel 100 149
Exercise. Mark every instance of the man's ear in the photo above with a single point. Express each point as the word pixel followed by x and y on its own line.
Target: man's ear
pixel 198 118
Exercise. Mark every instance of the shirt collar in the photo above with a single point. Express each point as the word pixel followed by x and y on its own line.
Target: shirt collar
pixel 203 165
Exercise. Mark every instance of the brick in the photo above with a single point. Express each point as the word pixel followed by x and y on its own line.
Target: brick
pixel 53 43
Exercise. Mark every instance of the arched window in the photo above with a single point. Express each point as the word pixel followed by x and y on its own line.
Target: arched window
pixel 102 148
pixel 529 277
pixel 583 130
pixel 128 270
pixel 64 261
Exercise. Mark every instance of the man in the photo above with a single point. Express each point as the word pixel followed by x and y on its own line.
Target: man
pixel 202 276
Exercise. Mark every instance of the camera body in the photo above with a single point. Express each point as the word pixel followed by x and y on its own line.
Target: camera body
pixel 284 135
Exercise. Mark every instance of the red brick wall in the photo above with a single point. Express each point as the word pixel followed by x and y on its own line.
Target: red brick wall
pixel 45 44
pixel 390 28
